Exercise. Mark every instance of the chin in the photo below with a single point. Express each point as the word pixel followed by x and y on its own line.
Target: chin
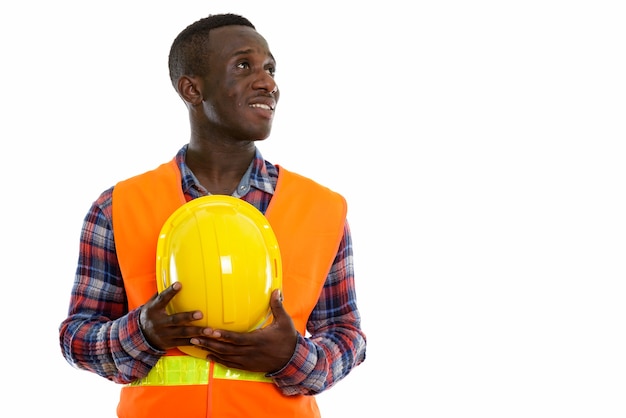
pixel 262 136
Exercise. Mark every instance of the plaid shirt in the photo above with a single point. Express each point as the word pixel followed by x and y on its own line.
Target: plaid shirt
pixel 102 336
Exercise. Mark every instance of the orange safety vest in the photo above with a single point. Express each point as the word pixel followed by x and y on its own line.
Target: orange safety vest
pixel 307 220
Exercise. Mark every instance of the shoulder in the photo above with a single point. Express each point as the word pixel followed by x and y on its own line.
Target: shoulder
pixel 156 175
pixel 295 181
pixel 103 202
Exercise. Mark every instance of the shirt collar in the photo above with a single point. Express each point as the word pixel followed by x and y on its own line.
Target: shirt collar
pixel 257 176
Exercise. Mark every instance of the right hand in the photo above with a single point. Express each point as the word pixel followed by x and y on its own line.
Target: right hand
pixel 164 331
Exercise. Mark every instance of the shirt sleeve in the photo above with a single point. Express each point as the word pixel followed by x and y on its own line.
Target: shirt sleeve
pixel 335 344
pixel 99 334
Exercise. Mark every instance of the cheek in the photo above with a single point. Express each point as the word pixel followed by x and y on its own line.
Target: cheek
pixel 234 93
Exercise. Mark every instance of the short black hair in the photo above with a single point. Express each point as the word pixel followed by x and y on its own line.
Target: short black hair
pixel 188 55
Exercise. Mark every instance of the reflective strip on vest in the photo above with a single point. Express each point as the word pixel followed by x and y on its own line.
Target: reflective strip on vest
pixel 188 370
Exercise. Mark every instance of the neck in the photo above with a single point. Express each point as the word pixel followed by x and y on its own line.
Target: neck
pixel 219 168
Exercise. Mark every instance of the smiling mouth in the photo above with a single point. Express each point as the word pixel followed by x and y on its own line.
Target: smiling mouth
pixel 262 106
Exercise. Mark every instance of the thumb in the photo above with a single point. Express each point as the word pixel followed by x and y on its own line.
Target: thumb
pixel 276 304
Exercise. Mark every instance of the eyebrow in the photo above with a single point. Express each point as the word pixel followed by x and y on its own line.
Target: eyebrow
pixel 250 51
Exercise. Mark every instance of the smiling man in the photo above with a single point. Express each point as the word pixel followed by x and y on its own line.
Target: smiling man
pixel 118 326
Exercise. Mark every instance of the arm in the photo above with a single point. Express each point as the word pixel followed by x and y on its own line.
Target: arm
pixel 99 334
pixel 336 343
pixel 306 365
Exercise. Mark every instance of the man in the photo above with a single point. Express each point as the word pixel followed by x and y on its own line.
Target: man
pixel 117 325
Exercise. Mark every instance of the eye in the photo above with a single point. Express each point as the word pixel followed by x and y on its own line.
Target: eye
pixel 271 70
pixel 244 65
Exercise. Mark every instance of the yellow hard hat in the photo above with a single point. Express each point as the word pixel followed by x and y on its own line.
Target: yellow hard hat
pixel 224 252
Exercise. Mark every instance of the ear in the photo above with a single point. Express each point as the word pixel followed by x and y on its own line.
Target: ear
pixel 190 90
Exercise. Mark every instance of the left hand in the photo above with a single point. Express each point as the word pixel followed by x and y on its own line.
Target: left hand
pixel 262 350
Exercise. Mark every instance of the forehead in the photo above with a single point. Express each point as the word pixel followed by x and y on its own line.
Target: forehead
pixel 230 41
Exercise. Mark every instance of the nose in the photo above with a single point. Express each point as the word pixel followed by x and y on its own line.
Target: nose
pixel 266 82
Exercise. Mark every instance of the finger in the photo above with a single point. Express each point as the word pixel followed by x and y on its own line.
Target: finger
pixel 213 337
pixel 185 318
pixel 167 295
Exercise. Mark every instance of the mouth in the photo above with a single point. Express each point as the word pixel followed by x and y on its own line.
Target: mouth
pixel 264 106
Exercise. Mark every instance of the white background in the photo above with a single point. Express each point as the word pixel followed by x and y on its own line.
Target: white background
pixel 480 145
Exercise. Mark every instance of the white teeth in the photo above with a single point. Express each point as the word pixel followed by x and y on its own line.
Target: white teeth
pixel 261 106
